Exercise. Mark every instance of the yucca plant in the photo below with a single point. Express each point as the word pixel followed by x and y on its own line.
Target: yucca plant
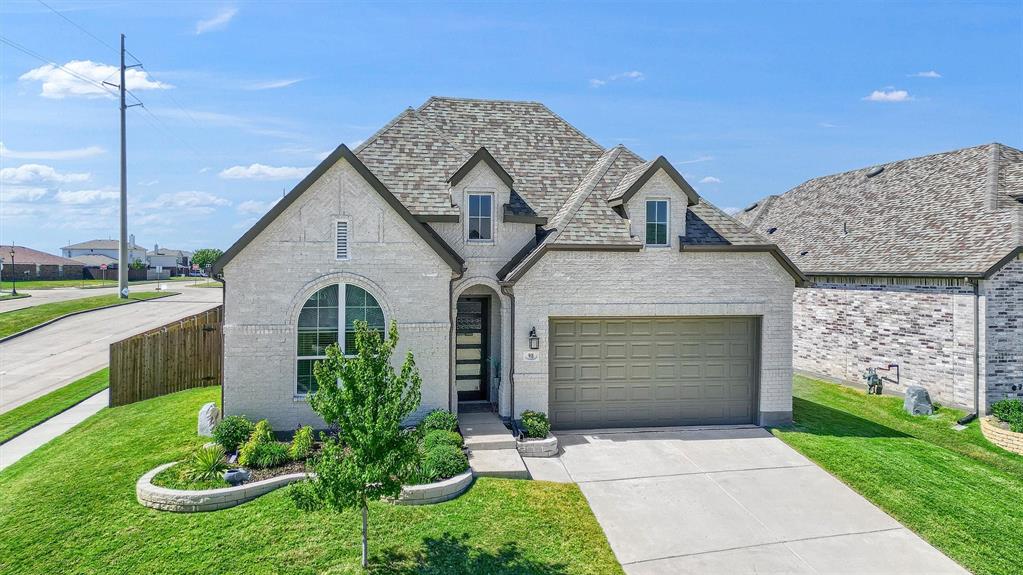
pixel 206 463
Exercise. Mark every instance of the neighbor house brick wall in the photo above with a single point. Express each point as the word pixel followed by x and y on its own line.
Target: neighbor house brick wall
pixel 656 282
pixel 927 327
pixel 1003 294
pixel 270 279
pixel 41 272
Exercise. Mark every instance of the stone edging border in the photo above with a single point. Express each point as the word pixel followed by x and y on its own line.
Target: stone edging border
pixel 193 501
pixel 1004 438
pixel 547 447
pixel 80 312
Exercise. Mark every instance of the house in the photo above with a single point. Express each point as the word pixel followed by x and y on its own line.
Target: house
pixel 913 263
pixel 526 266
pixel 107 248
pixel 32 264
pixel 177 262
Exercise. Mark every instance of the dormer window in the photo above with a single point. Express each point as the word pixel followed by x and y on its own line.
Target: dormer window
pixel 657 223
pixel 481 218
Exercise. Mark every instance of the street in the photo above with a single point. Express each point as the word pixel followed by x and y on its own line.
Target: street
pixel 58 354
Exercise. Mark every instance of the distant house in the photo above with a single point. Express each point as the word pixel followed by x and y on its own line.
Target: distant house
pixel 175 261
pixel 107 248
pixel 915 263
pixel 32 264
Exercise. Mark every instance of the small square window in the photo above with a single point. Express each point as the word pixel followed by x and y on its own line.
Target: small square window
pixel 657 222
pixel 481 220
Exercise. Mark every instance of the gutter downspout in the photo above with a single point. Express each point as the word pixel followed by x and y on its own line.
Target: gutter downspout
pixel 507 290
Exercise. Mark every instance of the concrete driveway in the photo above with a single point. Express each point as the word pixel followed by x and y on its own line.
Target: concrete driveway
pixel 730 501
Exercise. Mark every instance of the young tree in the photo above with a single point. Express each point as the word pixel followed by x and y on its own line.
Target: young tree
pixel 366 401
pixel 205 257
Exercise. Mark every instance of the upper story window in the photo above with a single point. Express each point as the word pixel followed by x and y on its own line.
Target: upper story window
pixel 481 217
pixel 328 313
pixel 657 222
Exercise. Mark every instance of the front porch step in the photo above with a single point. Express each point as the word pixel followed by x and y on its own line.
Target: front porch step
pixel 484 431
pixel 504 463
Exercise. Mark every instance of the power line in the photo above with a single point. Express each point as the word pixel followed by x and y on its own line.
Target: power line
pixel 81 28
pixel 46 60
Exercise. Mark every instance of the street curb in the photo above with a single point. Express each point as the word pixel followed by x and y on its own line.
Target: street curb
pixel 76 404
pixel 74 313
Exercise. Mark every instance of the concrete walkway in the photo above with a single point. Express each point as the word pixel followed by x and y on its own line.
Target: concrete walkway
pixel 730 501
pixel 492 451
pixel 39 435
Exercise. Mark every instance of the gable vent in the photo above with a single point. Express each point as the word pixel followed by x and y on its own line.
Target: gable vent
pixel 875 171
pixel 342 240
pixel 771 230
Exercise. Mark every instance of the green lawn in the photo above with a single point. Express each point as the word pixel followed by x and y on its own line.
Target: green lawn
pixel 8 295
pixel 70 507
pixel 111 281
pixel 953 488
pixel 42 408
pixel 22 319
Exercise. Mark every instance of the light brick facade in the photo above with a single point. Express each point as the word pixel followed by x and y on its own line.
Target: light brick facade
pixel 1003 345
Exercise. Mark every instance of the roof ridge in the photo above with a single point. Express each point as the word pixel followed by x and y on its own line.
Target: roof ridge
pixel 574 129
pixel 382 130
pixel 766 203
pixel 576 200
pixel 443 135
pixel 462 99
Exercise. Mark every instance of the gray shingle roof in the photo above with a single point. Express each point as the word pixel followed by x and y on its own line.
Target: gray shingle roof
pixel 100 245
pixel 23 255
pixel 943 214
pixel 707 225
pixel 95 260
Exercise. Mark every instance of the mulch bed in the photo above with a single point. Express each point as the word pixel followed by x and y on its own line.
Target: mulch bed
pixel 270 472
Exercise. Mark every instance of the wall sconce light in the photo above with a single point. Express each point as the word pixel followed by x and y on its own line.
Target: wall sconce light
pixel 534 340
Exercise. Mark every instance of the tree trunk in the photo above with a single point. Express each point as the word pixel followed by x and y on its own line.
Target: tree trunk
pixel 365 538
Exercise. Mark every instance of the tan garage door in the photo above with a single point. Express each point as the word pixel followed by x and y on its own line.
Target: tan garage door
pixel 634 372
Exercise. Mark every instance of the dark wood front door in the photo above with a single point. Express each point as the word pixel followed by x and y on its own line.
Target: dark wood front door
pixel 472 348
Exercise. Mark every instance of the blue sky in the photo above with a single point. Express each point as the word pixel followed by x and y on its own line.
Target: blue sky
pixel 241 99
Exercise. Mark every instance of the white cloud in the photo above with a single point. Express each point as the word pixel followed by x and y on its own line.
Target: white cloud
pixel 927 74
pixel 827 125
pixel 80 197
pixel 888 95
pixel 190 203
pixel 21 193
pixel 274 84
pixel 710 180
pixel 255 207
pixel 633 75
pixel 264 172
pixel 73 154
pixel 262 126
pixel 217 22
pixel 150 183
pixel 697 160
pixel 58 84
pixel 38 173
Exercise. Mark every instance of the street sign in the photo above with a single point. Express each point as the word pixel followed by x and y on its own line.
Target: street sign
pixel 124 292
pixel 103 267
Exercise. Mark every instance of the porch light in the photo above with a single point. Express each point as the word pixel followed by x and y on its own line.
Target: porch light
pixel 534 340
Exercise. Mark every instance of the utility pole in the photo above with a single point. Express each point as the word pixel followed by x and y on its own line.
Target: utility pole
pixel 122 259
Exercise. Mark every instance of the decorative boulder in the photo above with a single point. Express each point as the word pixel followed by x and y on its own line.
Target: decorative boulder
pixel 209 417
pixel 917 401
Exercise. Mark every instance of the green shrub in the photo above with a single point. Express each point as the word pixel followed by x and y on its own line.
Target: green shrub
pixel 261 435
pixel 301 443
pixel 438 419
pixel 443 461
pixel 232 431
pixel 1011 412
pixel 205 464
pixel 269 455
pixel 441 437
pixel 535 424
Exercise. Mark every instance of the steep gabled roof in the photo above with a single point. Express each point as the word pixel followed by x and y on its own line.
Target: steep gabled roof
pixel 342 152
pixel 948 214
pixel 639 175
pixel 481 155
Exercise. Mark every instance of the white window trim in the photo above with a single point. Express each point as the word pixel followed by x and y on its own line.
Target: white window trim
pixel 348 223
pixel 342 304
pixel 667 222
pixel 493 228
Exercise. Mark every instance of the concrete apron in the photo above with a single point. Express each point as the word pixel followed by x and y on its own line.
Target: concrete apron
pixel 730 500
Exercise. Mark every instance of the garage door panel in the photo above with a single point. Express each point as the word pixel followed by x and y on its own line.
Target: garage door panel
pixel 612 372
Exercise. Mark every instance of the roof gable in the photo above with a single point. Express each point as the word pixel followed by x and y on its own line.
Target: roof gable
pixel 342 152
pixel 481 155
pixel 640 175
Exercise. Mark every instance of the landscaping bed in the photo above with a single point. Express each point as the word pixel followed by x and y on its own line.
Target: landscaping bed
pixel 953 488
pixel 79 490
pixel 1004 427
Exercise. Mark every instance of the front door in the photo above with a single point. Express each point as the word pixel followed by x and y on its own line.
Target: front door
pixel 471 348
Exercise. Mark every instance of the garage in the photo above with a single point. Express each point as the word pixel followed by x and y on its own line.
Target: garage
pixel 653 371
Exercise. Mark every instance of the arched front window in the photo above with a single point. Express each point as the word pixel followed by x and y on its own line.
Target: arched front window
pixel 331 311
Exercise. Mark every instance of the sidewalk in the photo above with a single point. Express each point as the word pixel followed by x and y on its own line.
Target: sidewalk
pixel 41 434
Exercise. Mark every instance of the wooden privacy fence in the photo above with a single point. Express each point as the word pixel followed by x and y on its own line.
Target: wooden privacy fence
pixel 181 355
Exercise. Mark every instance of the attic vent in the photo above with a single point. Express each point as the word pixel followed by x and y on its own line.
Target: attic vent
pixel 342 240
pixel 771 230
pixel 875 171
pixel 751 208
pixel 804 252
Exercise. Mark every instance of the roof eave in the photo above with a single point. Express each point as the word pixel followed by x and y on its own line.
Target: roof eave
pixel 445 252
pixel 661 163
pixel 481 155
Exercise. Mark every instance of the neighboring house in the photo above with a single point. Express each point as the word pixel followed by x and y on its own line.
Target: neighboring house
pixel 175 261
pixel 526 266
pixel 32 264
pixel 92 266
pixel 912 263
pixel 107 248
